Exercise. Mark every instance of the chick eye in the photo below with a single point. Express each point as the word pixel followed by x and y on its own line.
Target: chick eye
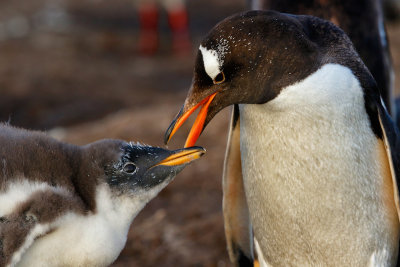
pixel 129 168
pixel 220 78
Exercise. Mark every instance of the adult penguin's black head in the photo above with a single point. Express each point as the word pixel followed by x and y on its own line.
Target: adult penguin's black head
pixel 249 57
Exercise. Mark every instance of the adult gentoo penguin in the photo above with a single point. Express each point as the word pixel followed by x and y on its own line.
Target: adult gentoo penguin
pixel 310 137
pixel 65 205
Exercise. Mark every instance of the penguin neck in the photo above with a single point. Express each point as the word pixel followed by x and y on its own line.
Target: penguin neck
pixel 119 211
pixel 331 91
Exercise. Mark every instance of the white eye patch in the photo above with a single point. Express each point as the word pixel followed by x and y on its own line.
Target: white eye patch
pixel 212 62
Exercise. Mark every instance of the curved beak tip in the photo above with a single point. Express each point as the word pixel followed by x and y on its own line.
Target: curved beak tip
pixel 174 126
pixel 168 134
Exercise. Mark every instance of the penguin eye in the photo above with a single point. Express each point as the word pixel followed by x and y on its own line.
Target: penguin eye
pixel 129 168
pixel 220 78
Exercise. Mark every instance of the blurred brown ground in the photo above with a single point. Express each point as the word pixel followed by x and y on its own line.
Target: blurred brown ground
pixel 70 68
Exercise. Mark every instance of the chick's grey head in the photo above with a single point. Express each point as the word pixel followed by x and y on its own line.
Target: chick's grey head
pixel 145 167
pixel 131 169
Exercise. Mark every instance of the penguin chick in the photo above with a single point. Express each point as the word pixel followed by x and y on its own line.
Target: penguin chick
pixel 67 205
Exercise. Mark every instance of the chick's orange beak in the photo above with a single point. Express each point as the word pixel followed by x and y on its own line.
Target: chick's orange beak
pixel 198 125
pixel 183 156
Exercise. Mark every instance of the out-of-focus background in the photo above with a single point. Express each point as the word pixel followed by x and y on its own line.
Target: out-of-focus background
pixel 79 70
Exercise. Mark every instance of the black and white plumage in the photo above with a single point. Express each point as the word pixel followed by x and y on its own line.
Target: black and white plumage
pixel 312 156
pixel 67 205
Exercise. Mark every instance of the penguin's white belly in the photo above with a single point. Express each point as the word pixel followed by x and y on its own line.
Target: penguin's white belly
pixel 84 240
pixel 81 241
pixel 314 177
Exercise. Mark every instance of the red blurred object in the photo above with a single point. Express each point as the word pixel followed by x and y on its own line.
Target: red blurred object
pixel 148 36
pixel 178 21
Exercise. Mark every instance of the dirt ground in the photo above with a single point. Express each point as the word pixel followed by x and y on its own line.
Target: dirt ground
pixel 71 68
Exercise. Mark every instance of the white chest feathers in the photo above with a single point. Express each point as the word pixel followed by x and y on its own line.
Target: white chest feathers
pixel 82 240
pixel 20 191
pixel 312 174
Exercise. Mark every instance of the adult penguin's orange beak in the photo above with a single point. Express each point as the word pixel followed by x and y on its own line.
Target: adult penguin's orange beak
pixel 198 125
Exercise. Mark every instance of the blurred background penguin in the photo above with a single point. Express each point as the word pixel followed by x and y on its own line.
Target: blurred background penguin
pixel 149 13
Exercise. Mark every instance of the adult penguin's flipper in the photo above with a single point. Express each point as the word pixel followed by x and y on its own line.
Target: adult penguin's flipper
pixel 238 229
